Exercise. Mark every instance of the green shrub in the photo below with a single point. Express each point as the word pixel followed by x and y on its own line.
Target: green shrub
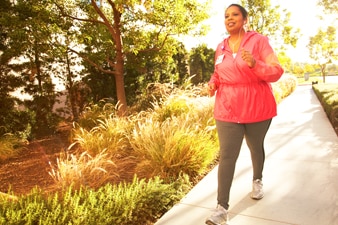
pixel 327 94
pixel 10 146
pixel 94 112
pixel 18 123
pixel 334 117
pixel 172 106
pixel 139 202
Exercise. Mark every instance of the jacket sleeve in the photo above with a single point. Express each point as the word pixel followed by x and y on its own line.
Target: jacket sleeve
pixel 214 79
pixel 267 65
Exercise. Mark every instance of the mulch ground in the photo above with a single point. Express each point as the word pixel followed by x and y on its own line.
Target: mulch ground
pixel 32 166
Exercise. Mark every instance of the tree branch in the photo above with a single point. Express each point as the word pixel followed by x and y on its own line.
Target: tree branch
pixel 91 62
pixel 103 17
pixel 63 13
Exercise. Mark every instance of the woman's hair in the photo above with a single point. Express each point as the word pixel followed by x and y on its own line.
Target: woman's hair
pixel 241 8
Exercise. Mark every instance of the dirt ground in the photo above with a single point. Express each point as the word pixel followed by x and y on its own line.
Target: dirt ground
pixel 30 168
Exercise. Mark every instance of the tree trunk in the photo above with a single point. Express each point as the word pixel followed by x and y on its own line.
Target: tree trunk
pixel 119 82
pixel 119 68
pixel 71 91
pixel 323 72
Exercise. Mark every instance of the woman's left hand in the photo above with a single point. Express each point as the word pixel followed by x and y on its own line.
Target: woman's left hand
pixel 248 58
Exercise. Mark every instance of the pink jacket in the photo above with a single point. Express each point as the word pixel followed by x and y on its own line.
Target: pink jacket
pixel 244 94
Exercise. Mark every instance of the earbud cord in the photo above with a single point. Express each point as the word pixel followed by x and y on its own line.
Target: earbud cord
pixel 234 45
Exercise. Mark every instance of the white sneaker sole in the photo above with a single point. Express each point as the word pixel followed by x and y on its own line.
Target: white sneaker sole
pixel 208 222
pixel 257 197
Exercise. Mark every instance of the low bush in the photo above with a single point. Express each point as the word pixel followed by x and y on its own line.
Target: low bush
pixel 10 146
pixel 327 94
pixel 284 87
pixel 16 122
pixel 138 202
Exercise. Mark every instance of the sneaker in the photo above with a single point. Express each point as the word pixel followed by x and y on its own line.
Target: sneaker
pixel 219 217
pixel 257 189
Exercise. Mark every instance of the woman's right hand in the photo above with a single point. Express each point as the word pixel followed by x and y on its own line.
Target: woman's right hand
pixel 211 89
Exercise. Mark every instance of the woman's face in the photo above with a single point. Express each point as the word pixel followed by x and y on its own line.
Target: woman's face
pixel 234 20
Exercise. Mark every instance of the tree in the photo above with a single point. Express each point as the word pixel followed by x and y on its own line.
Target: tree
pixel 35 48
pixel 117 30
pixel 167 65
pixel 9 118
pixel 285 61
pixel 181 61
pixel 267 20
pixel 26 58
pixel 310 68
pixel 323 48
pixel 65 65
pixel 201 63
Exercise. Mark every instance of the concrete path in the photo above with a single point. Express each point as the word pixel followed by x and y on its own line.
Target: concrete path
pixel 300 174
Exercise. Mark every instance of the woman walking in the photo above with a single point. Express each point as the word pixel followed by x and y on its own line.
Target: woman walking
pixel 245 63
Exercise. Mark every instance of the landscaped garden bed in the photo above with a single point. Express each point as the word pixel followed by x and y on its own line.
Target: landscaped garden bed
pixel 116 170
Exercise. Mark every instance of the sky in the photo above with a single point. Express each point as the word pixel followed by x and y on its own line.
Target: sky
pixel 304 15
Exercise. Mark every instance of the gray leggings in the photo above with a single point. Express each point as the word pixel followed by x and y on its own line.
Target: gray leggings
pixel 230 136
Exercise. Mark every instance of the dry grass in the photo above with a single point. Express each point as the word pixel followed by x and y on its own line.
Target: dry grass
pixel 173 147
pixel 109 135
pixel 83 170
pixel 284 87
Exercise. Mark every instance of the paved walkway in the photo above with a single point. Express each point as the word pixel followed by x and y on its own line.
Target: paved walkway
pixel 300 174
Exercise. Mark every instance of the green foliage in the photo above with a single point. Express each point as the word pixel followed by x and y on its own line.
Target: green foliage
pixel 168 65
pixel 152 95
pixel 201 63
pixel 26 58
pixel 94 112
pixel 266 19
pixel 328 96
pixel 44 120
pixel 170 102
pixel 11 120
pixel 116 36
pixel 323 48
pixel 285 61
pixel 18 123
pixel 50 42
pixel 10 146
pixel 139 202
pixel 172 106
